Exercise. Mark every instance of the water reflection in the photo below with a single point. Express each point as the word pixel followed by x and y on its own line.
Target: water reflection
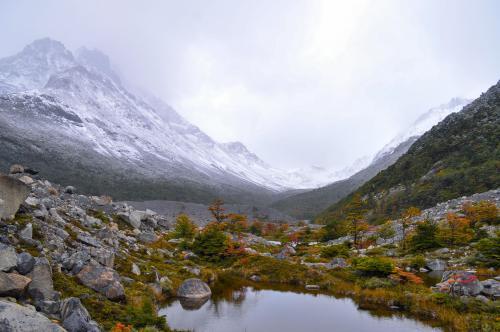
pixel 247 308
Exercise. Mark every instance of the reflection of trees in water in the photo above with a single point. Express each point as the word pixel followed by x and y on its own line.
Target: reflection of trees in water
pixel 235 299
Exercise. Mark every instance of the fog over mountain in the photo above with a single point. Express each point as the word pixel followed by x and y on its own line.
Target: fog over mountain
pixel 304 85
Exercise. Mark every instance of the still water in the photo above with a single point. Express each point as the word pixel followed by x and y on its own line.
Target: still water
pixel 249 309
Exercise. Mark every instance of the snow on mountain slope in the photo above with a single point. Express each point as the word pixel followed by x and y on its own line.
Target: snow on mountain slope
pixel 104 115
pixel 425 122
pixel 118 124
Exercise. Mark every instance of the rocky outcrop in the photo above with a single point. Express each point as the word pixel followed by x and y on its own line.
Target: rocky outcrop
pixel 459 283
pixel 12 193
pixel 25 263
pixel 16 318
pixel 102 279
pixel 194 289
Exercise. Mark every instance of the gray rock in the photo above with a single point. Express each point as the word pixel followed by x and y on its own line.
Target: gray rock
pixel 136 270
pixel 26 180
pixel 25 263
pixel 194 289
pixel 147 237
pixel 442 251
pixel 255 278
pixel 436 264
pixel 13 284
pixel 26 232
pixel 89 240
pixel 482 298
pixel 102 279
pixel 12 194
pixel 312 287
pixel 286 252
pixel 75 317
pixel 491 287
pixel 135 218
pixel 70 190
pixel 16 318
pixel 49 307
pixel 337 262
pixel 8 258
pixel 41 287
pixel 90 221
pixel 75 262
pixel 103 256
pixel 193 269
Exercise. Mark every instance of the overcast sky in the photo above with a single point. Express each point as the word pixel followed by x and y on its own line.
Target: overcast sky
pixel 299 82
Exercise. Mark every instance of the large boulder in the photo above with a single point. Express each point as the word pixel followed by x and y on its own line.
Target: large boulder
pixel 491 287
pixel 13 284
pixel 8 258
pixel 41 287
pixel 25 263
pixel 194 289
pixel 102 279
pixel 133 218
pixel 459 283
pixel 75 317
pixel 16 318
pixel 436 264
pixel 12 194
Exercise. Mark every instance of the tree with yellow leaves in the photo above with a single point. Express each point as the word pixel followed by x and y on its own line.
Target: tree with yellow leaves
pixel 406 220
pixel 455 230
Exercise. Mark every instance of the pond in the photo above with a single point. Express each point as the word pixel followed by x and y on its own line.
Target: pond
pixel 246 308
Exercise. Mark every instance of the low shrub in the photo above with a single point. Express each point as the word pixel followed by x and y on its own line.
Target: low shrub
pixel 340 250
pixel 373 265
pixel 375 282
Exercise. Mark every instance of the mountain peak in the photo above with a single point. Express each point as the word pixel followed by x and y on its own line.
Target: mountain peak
pixel 96 59
pixel 45 45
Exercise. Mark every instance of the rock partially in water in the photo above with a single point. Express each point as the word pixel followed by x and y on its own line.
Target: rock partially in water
pixel 436 264
pixel 312 287
pixel 192 303
pixel 16 318
pixel 194 289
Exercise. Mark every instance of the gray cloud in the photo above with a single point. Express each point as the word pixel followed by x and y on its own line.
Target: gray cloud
pixel 299 82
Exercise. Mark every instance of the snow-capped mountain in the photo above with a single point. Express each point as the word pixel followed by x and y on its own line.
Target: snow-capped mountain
pixel 425 122
pixel 69 102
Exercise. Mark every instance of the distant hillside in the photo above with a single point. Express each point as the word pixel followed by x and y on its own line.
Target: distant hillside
pixel 200 214
pixel 308 204
pixel 459 156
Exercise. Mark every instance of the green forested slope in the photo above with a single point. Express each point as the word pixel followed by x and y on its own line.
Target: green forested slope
pixel 459 156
